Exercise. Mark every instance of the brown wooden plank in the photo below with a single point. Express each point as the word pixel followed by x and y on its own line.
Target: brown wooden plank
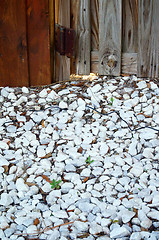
pixel 94 25
pixel 13 44
pixel 148 38
pixel 52 38
pixel 130 26
pixel 38 41
pixel 80 12
pixel 110 37
pixel 62 17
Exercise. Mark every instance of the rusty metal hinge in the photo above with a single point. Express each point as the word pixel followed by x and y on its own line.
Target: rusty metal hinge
pixel 64 40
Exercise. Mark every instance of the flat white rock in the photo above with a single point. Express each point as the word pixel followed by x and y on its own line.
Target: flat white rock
pixel 61 157
pixel 81 226
pixel 25 90
pixel 63 105
pixel 133 147
pixel 41 152
pixel 148 153
pixel 4 145
pixel 65 187
pixel 127 215
pixel 3 161
pixel 55 234
pixel 119 232
pixel 81 104
pixel 135 236
pixel 21 186
pixel 32 229
pixel 137 169
pixel 43 93
pixel 154 214
pixel 5 199
pixel 86 172
pixel 141 84
pixel 60 214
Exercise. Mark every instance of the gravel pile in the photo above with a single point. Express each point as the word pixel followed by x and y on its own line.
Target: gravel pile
pixel 79 160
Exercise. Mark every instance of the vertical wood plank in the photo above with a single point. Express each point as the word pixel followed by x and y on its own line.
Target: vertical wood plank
pixel 130 26
pixel 38 41
pixel 94 25
pixel 110 37
pixel 62 17
pixel 94 35
pixel 52 38
pixel 80 12
pixel 13 44
pixel 148 38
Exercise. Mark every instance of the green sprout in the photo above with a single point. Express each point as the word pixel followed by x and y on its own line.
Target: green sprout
pixel 114 221
pixel 55 184
pixel 88 160
pixel 111 103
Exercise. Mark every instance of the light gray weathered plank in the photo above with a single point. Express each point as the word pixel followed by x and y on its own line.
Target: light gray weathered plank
pixel 148 38
pixel 80 12
pixel 62 17
pixel 110 37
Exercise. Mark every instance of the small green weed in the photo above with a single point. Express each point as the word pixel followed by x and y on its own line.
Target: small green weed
pixel 114 221
pixel 55 184
pixel 88 160
pixel 111 103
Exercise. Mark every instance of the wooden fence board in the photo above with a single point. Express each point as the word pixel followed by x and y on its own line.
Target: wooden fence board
pixel 129 63
pixel 129 26
pixel 38 41
pixel 52 38
pixel 110 37
pixel 80 11
pixel 94 25
pixel 13 44
pixel 148 38
pixel 62 17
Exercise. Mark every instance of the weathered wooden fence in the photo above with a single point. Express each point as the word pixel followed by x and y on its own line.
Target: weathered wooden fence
pixel 113 37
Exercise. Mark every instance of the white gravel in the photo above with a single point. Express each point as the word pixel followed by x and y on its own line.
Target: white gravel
pixel 104 167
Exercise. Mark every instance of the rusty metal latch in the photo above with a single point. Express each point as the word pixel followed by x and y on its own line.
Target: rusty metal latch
pixel 64 40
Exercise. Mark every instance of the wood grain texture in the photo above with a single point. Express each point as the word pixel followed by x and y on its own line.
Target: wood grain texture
pixel 130 26
pixel 52 38
pixel 62 17
pixel 148 39
pixel 128 62
pixel 80 12
pixel 94 61
pixel 110 37
pixel 13 44
pixel 94 25
pixel 38 42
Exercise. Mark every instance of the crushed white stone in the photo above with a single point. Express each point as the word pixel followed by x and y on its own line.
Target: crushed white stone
pixel 46 136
